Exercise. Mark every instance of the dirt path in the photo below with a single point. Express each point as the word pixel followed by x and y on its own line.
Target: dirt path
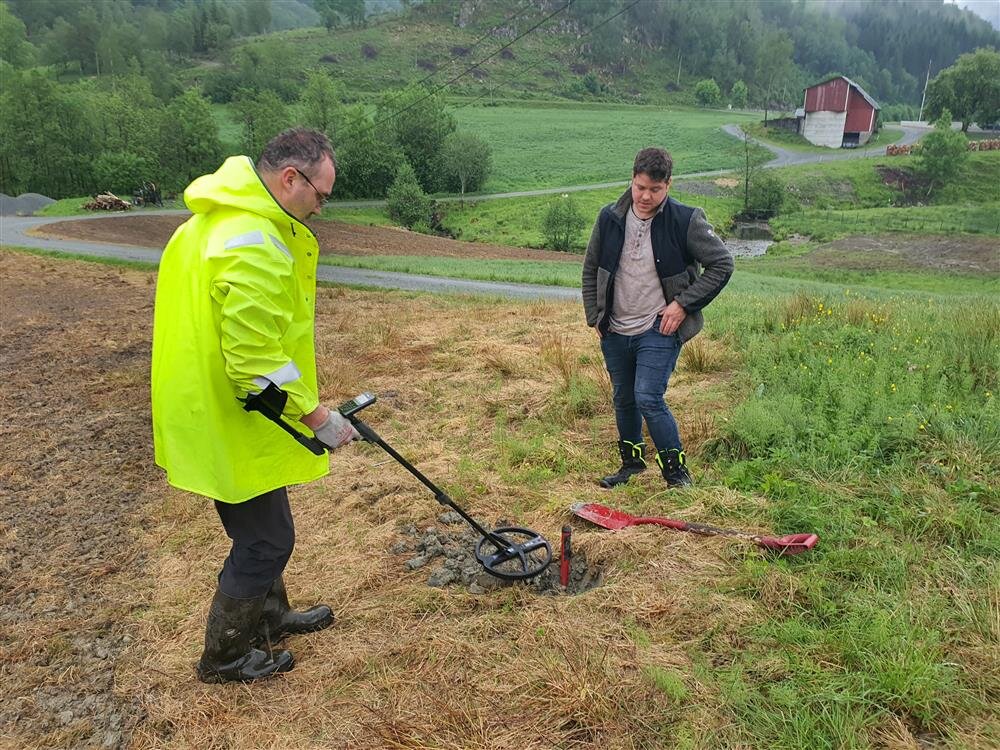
pixel 73 357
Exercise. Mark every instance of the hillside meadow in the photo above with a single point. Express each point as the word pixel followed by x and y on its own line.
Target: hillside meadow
pixel 547 144
pixel 867 416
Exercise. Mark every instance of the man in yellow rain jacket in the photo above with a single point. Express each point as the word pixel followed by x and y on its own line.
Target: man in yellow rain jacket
pixel 235 303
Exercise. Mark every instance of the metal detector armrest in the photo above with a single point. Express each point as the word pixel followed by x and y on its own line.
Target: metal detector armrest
pixel 271 403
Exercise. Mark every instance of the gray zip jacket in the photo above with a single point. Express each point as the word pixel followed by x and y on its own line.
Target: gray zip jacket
pixel 692 262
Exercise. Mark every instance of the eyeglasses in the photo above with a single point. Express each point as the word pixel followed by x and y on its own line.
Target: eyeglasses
pixel 324 198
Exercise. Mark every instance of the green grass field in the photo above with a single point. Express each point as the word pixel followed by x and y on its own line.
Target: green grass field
pixel 392 53
pixel 556 146
pixel 872 420
pixel 545 145
pixel 974 218
pixel 74 206
pixel 518 221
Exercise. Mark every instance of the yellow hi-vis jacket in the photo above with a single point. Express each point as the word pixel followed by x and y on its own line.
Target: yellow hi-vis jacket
pixel 235 305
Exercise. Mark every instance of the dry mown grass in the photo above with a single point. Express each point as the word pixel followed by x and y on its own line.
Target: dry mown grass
pixel 409 666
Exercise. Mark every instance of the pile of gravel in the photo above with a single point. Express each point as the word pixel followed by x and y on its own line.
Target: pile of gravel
pixel 748 248
pixel 23 205
pixel 447 552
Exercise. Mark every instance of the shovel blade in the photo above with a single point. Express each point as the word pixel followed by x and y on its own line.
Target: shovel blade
pixel 603 516
pixel 792 544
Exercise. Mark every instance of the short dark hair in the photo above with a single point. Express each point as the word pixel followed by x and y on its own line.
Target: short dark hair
pixel 655 162
pixel 296 147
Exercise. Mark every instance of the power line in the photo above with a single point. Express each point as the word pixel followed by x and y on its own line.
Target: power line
pixel 472 67
pixel 606 21
pixel 475 44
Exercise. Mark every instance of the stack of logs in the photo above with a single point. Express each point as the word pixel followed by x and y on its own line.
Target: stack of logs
pixel 107 202
pixel 993 144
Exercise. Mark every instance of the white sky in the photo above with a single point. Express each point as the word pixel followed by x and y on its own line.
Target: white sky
pixel 988 9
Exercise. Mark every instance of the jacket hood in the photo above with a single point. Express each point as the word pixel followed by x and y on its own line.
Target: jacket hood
pixel 622 205
pixel 235 184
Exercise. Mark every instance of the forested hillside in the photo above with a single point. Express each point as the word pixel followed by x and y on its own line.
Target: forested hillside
pixel 105 94
pixel 769 44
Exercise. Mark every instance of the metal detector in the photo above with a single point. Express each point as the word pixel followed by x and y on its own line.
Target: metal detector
pixel 511 552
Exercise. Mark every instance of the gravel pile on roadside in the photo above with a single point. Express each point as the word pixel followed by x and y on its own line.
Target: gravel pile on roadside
pixel 447 553
pixel 23 205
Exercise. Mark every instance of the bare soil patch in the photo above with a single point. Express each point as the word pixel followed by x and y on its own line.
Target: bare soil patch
pixel 954 253
pixel 912 188
pixel 74 475
pixel 334 237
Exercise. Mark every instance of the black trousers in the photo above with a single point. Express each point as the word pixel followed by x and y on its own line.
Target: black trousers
pixel 263 537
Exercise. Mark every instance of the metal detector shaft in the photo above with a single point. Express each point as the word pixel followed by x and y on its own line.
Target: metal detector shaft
pixel 440 495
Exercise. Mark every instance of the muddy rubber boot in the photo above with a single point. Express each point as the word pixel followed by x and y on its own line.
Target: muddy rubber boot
pixel 278 619
pixel 632 463
pixel 228 655
pixel 673 465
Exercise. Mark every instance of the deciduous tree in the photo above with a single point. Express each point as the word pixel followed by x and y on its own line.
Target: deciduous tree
pixel 969 89
pixel 421 124
pixel 562 224
pixel 189 140
pixel 466 162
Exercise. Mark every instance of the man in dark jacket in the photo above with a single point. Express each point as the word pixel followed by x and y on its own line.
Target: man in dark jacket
pixel 652 264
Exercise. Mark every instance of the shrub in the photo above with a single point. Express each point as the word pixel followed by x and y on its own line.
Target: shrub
pixel 943 152
pixel 739 94
pixel 707 92
pixel 766 195
pixel 406 201
pixel 562 223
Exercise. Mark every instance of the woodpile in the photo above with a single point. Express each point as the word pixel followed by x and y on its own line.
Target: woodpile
pixel 107 202
pixel 993 144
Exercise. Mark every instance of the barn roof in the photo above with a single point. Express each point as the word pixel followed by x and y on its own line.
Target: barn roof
pixel 851 83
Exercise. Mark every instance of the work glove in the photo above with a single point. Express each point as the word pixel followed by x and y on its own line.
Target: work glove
pixel 336 431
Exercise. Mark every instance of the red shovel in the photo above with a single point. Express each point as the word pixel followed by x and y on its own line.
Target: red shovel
pixel 609 518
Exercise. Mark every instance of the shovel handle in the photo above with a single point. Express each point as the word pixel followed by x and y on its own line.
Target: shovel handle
pixel 668 522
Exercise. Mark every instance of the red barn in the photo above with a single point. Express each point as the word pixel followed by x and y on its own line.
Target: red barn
pixel 839 113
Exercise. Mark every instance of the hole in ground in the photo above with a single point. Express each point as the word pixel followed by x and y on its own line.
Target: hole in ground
pixel 447 553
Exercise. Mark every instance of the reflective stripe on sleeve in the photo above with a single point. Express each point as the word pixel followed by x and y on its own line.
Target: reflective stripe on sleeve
pixel 279 377
pixel 244 240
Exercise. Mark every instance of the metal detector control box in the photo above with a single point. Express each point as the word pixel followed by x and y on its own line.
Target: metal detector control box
pixel 356 404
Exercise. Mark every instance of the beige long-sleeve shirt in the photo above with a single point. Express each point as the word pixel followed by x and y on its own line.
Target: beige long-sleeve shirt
pixel 638 292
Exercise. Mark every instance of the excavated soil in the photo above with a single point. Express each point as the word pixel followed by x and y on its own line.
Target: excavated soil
pixel 447 552
pixel 334 237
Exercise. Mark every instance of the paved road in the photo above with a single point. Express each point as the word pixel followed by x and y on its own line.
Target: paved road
pixel 14 231
pixel 784 157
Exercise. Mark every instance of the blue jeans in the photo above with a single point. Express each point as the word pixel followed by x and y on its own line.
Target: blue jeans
pixel 640 368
